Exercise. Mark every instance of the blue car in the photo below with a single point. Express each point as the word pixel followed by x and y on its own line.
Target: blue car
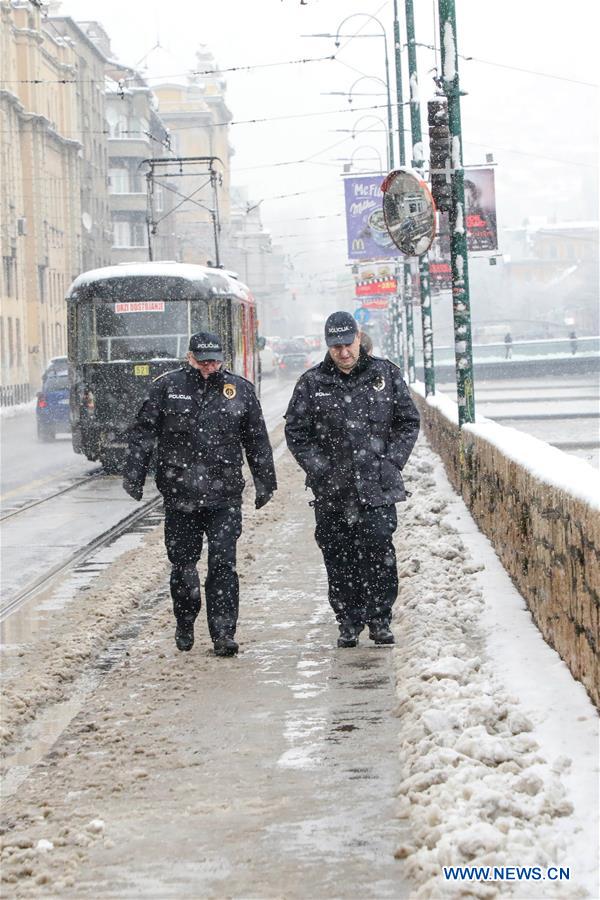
pixel 52 408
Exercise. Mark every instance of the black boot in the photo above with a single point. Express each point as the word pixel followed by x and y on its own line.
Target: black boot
pixel 225 646
pixel 380 633
pixel 348 634
pixel 184 634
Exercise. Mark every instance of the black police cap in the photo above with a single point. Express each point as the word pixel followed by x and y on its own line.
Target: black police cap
pixel 340 328
pixel 205 345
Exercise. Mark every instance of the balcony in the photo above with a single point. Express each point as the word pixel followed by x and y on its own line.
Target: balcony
pixel 129 148
pixel 128 202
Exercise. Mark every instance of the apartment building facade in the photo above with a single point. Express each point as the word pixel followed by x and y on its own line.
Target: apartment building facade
pixel 40 225
pixel 96 231
pixel 197 117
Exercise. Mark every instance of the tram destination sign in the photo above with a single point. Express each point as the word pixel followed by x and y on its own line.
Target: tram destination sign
pixel 141 306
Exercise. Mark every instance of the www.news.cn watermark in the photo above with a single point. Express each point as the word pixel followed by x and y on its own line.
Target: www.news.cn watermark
pixel 506 873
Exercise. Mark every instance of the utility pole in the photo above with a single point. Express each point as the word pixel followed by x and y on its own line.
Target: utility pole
pixel 417 161
pixel 214 213
pixel 150 224
pixel 406 280
pixel 458 236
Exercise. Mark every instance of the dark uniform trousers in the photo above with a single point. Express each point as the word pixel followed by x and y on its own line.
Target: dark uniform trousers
pixel 184 534
pixel 360 560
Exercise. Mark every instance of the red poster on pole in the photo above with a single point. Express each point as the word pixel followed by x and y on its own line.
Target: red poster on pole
pixel 372 287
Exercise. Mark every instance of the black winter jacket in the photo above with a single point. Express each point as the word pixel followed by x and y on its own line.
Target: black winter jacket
pixel 200 427
pixel 352 434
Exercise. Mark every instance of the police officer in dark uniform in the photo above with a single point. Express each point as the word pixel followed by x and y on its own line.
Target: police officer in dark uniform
pixel 200 417
pixel 351 425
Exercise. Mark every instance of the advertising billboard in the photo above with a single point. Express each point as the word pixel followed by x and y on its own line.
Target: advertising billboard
pixel 480 219
pixel 366 231
pixel 480 207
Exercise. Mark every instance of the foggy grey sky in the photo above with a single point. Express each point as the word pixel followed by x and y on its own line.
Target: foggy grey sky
pixel 542 131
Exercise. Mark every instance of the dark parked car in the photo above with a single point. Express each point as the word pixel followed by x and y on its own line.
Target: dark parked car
pixel 52 408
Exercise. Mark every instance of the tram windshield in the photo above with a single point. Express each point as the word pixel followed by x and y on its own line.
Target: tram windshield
pixel 140 329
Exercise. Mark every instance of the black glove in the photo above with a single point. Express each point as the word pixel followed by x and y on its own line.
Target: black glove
pixel 262 499
pixel 134 490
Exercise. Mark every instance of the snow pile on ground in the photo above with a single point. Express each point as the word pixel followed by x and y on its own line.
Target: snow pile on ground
pixel 43 674
pixel 476 789
pixel 8 412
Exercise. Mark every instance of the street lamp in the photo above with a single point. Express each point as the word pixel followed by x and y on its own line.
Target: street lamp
pixel 387 76
pixel 383 34
pixel 353 131
pixel 349 160
pixel 368 116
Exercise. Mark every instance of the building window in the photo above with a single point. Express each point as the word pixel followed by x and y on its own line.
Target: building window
pixel 10 343
pixel 18 340
pixel 117 125
pixel 136 184
pixel 121 234
pixel 139 234
pixel 118 181
pixel 129 234
pixel 7 262
pixel 42 283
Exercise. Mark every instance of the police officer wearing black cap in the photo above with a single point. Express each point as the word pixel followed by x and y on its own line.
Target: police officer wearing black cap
pixel 200 417
pixel 351 425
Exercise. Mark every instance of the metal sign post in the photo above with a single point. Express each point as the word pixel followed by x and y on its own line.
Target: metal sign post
pixel 406 291
pixel 458 232
pixel 417 161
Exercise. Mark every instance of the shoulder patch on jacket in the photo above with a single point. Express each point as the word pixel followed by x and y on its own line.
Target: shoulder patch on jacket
pixel 170 372
pixel 394 365
pixel 231 376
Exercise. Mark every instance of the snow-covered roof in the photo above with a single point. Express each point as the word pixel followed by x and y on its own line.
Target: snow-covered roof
pixel 219 281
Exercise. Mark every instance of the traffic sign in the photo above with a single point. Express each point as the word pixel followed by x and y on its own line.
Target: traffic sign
pixel 362 315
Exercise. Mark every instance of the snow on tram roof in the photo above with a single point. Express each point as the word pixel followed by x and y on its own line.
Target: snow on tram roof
pixel 221 281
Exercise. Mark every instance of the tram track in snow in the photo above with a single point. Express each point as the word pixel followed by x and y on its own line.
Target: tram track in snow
pixel 79 556
pixel 95 473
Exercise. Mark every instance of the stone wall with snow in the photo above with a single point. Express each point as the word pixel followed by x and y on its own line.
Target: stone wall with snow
pixel 539 508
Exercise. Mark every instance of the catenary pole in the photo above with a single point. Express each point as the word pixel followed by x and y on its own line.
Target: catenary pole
pixel 406 279
pixel 417 161
pixel 458 237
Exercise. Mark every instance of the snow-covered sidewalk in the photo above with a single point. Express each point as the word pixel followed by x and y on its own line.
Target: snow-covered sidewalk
pixel 499 745
pixel 298 770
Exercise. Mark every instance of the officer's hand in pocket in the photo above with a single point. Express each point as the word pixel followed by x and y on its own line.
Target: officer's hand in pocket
pixel 134 490
pixel 262 499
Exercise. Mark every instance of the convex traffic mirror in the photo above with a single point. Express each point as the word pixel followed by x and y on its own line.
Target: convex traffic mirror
pixel 409 212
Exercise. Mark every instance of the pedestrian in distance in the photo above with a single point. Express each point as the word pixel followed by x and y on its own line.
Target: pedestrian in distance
pixel 366 343
pixel 573 340
pixel 351 425
pixel 508 342
pixel 198 418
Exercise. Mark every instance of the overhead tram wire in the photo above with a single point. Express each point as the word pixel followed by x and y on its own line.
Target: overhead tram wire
pixel 488 62
pixel 146 78
pixel 257 121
